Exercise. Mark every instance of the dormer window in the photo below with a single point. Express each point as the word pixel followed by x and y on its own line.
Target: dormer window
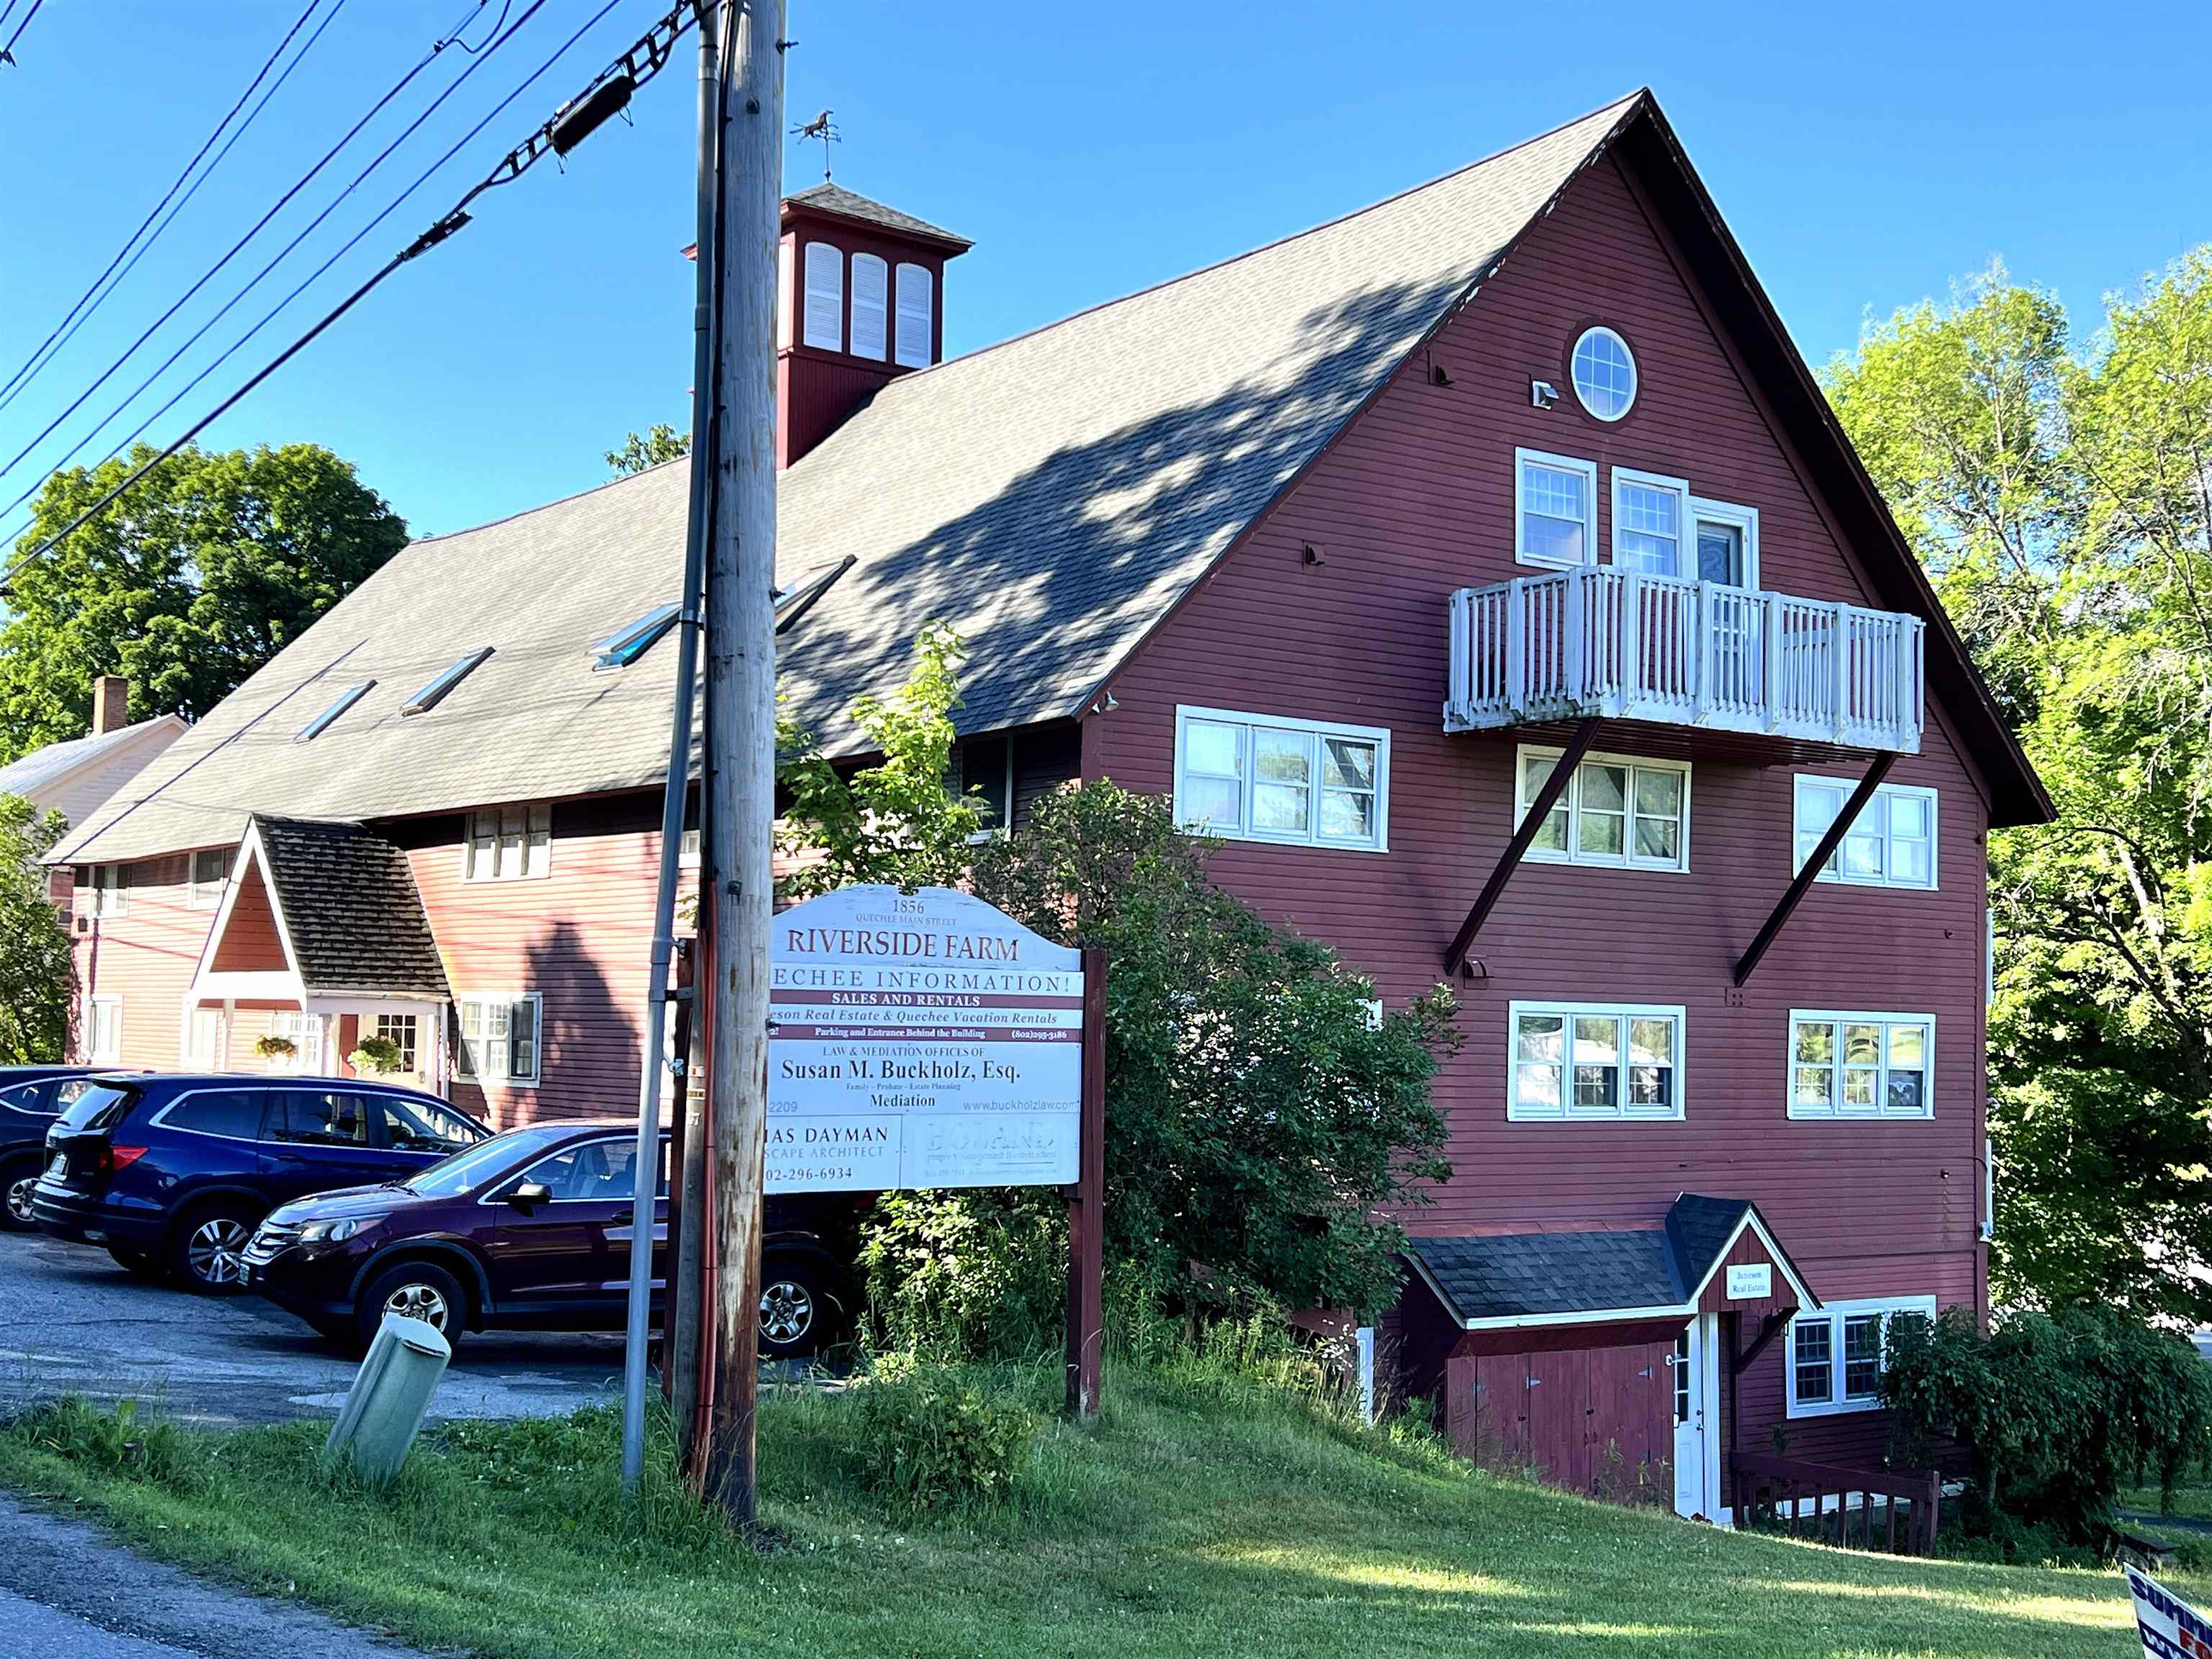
pixel 434 693
pixel 871 306
pixel 627 644
pixel 917 315
pixel 825 297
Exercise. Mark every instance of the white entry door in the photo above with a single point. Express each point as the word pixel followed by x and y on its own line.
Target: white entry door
pixel 1697 1419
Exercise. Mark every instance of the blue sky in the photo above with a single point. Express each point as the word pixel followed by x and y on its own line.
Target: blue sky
pixel 1866 157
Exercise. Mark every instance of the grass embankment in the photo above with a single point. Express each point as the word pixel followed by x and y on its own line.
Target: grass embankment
pixel 1197 1515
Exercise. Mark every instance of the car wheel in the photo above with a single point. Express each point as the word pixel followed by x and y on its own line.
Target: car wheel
pixel 797 1313
pixel 139 1264
pixel 16 1180
pixel 412 1290
pixel 209 1248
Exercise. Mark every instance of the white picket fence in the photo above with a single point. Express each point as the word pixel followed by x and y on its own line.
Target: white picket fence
pixel 1598 642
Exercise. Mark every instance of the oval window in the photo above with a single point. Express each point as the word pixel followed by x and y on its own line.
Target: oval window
pixel 1604 374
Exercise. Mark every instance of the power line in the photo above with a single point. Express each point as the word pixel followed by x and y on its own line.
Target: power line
pixel 631 71
pixel 451 36
pixel 8 52
pixel 39 358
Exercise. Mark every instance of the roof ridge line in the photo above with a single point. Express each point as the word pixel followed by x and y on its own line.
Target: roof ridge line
pixel 558 501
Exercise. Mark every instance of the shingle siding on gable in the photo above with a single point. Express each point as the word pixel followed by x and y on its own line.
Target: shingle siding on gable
pixel 1417 499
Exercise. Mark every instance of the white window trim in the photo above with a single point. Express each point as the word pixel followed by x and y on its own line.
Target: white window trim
pixel 1680 488
pixel 1745 519
pixel 1797 786
pixel 529 809
pixel 206 896
pixel 1835 1313
pixel 1635 371
pixel 96 1001
pixel 466 1068
pixel 112 897
pixel 823 268
pixel 1564 464
pixel 1988 1193
pixel 1623 1011
pixel 1629 859
pixel 1836 1112
pixel 304 1055
pixel 1318 730
pixel 881 311
pixel 922 285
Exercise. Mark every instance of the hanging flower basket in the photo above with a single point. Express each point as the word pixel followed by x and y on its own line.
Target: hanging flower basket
pixel 277 1048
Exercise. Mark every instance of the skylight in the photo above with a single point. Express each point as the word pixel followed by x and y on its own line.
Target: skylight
pixel 626 645
pixel 432 694
pixel 346 699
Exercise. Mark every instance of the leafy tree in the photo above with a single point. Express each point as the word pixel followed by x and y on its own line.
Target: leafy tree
pixel 204 572
pixel 34 943
pixel 661 442
pixel 2061 499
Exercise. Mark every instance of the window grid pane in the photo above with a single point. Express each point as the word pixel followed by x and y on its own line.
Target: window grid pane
pixel 1555 513
pixel 1279 782
pixel 1815 1364
pixel 1862 1356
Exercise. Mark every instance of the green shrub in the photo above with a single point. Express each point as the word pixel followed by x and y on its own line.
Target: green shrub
pixel 968 1275
pixel 929 1437
pixel 118 1442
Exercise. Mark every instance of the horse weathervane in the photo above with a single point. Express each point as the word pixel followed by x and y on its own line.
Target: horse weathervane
pixel 823 128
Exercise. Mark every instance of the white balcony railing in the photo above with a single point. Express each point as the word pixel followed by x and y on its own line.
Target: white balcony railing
pixel 1598 642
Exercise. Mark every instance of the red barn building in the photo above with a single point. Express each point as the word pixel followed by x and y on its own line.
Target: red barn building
pixel 1483 567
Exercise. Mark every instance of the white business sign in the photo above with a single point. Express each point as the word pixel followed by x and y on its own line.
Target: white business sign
pixel 921 1039
pixel 2169 1627
pixel 1750 1284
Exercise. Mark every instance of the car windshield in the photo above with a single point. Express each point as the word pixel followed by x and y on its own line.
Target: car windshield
pixel 463 1172
pixel 101 1106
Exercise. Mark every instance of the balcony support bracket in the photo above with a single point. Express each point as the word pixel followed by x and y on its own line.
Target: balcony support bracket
pixel 1546 799
pixel 1802 882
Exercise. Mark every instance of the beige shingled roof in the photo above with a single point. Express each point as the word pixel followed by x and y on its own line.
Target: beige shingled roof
pixel 1050 497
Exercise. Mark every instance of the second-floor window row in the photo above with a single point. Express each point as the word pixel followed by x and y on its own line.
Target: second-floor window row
pixel 1660 526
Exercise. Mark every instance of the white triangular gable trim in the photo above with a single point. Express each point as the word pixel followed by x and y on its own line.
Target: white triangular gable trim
pixel 1806 1299
pixel 259 986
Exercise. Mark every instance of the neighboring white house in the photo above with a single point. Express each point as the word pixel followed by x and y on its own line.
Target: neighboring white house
pixel 72 778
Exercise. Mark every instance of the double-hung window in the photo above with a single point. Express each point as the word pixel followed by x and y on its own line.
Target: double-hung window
pixel 103 1030
pixel 1555 509
pixel 1836 1356
pixel 1254 777
pixel 1847 1065
pixel 1613 811
pixel 499 1038
pixel 111 889
pixel 1649 513
pixel 507 843
pixel 1891 844
pixel 210 869
pixel 1581 1060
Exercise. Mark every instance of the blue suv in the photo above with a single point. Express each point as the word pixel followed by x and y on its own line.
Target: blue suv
pixel 172 1173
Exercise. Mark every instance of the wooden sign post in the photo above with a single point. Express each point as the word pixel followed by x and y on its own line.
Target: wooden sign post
pixel 1086 1205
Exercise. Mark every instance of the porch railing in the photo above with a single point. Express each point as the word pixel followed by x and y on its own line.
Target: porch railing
pixel 1816 1500
pixel 1598 641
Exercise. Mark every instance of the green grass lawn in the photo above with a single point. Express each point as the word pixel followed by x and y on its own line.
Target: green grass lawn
pixel 1192 1518
pixel 2193 1502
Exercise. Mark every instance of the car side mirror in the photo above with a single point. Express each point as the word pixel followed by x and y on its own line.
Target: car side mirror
pixel 529 1195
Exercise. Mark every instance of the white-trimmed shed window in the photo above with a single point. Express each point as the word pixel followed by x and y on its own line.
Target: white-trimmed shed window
pixel 917 316
pixel 103 1030
pixel 825 325
pixel 507 843
pixel 1891 844
pixel 499 1037
pixel 1555 509
pixel 111 889
pixel 871 306
pixel 1254 777
pixel 1583 1060
pixel 1836 1356
pixel 1649 513
pixel 1603 370
pixel 1855 1065
pixel 210 869
pixel 1614 810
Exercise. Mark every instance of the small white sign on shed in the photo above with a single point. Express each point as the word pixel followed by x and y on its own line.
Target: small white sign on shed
pixel 1753 1283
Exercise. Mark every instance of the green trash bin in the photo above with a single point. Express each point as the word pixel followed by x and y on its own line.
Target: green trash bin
pixel 384 1409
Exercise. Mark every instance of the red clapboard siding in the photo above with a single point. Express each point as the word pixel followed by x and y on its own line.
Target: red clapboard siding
pixel 1416 499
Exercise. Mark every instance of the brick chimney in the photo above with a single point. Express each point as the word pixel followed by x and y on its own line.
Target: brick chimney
pixel 111 703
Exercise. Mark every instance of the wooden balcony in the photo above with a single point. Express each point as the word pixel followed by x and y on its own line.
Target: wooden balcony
pixel 1599 642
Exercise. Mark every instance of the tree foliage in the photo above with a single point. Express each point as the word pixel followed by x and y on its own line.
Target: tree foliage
pixel 660 442
pixel 210 566
pixel 34 943
pixel 2060 497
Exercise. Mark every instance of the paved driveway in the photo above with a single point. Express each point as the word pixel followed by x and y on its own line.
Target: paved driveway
pixel 73 1322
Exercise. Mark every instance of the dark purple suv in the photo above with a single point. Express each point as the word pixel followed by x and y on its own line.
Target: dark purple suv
pixel 529 1230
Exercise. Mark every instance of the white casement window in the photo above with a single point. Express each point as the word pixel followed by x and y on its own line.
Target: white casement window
pixel 1857 1065
pixel 1726 538
pixel 507 843
pixel 103 1030
pixel 1254 777
pixel 871 306
pixel 1649 513
pixel 917 316
pixel 1893 844
pixel 1585 1059
pixel 825 297
pixel 111 889
pixel 210 869
pixel 499 1037
pixel 1835 1357
pixel 1555 509
pixel 305 1032
pixel 1614 810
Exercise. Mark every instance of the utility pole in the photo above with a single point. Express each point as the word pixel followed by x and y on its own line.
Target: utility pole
pixel 735 876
